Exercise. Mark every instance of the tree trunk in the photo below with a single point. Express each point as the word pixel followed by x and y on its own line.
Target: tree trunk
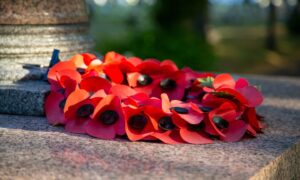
pixel 293 22
pixel 271 41
pixel 180 14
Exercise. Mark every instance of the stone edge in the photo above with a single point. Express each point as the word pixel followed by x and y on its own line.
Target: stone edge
pixel 286 165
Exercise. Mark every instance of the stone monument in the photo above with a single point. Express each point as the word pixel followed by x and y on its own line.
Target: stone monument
pixel 29 31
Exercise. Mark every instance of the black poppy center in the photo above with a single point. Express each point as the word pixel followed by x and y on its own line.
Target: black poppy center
pixel 109 117
pixel 201 95
pixel 137 122
pixel 62 104
pixel 61 91
pixel 205 109
pixel 80 70
pixel 180 110
pixel 196 127
pixel 85 111
pixel 166 123
pixel 168 84
pixel 220 122
pixel 144 80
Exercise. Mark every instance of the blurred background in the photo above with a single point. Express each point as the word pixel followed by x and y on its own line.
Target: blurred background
pixel 237 36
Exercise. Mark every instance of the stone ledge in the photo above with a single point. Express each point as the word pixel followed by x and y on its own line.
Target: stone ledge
pixel 23 98
pixel 32 149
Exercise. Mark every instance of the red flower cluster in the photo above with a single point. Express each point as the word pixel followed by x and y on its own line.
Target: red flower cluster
pixel 150 100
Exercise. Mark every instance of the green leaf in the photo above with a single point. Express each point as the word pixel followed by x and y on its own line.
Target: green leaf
pixel 206 82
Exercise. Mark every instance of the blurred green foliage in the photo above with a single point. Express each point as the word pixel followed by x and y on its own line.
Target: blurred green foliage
pixel 176 29
pixel 184 49
pixel 174 33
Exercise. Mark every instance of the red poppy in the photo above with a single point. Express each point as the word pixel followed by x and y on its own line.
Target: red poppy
pixel 253 120
pixel 192 75
pixel 188 118
pixel 149 74
pixel 107 120
pixel 224 85
pixel 115 66
pixel 66 81
pixel 225 122
pixel 63 65
pixel 194 93
pixel 173 85
pixel 135 61
pixel 164 125
pixel 137 123
pixel 93 84
pixel 122 91
pixel 78 110
pixel 54 108
pixel 138 99
pixel 168 67
pixel 83 60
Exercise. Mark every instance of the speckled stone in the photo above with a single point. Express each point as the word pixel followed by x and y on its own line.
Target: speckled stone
pixel 31 29
pixel 23 98
pixel 32 149
pixel 42 12
pixel 23 45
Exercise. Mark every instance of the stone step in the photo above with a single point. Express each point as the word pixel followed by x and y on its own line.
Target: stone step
pixel 32 149
pixel 23 98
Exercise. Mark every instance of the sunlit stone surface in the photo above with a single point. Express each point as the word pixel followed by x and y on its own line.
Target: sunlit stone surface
pixel 31 29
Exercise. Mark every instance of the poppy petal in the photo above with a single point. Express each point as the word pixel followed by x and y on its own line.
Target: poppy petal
pixel 192 117
pixel 75 97
pixel 122 91
pixel 169 137
pixel 132 78
pixel 78 61
pixel 251 117
pixel 59 67
pixel 113 57
pixel 194 137
pixel 168 66
pixel 99 94
pixel 252 95
pixel 134 61
pixel 53 112
pixel 223 80
pixel 166 104
pixel 76 126
pixel 88 58
pixel 149 66
pixel 235 131
pixel 93 84
pixel 114 73
pixel 97 129
pixel 241 82
pixel 251 131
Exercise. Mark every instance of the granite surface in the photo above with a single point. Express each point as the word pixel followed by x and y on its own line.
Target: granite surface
pixel 31 29
pixel 42 11
pixel 25 98
pixel 34 44
pixel 32 149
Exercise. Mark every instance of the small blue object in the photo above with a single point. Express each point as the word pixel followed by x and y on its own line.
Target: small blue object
pixel 54 60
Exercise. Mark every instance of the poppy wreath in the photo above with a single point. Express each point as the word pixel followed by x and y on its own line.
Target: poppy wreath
pixel 150 100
